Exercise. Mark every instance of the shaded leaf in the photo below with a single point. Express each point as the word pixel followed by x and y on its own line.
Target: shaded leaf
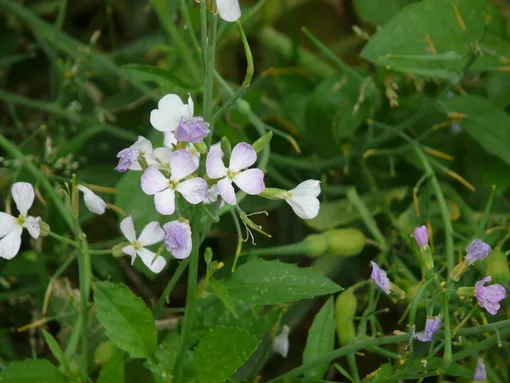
pixel 32 371
pixel 379 12
pixel 56 350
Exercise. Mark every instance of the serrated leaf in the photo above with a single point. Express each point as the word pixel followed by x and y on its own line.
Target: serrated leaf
pixel 126 319
pixel 221 292
pixel 261 282
pixel 321 339
pixel 114 370
pixel 56 350
pixel 32 371
pixel 221 352
pixel 485 123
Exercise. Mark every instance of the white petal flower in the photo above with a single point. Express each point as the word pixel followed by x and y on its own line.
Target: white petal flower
pixel 229 10
pixel 10 244
pixel 281 342
pixel 94 203
pixel 7 222
pixel 23 194
pixel 169 113
pixel 32 226
pixel 303 199
pixel 151 234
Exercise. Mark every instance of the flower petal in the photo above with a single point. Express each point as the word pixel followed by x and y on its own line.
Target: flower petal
pixel 178 239
pixel 250 181
pixel 7 222
pixel 128 229
pixel 169 139
pixel 147 257
pixel 32 226
pixel 162 157
pixel 227 191
pixel 152 233
pixel 188 109
pixel 168 115
pixel 23 195
pixel 214 164
pixel 165 202
pixel 304 207
pixel 94 203
pixel 181 164
pixel 212 194
pixel 243 156
pixel 130 250
pixel 307 188
pixel 10 244
pixel 229 10
pixel 153 181
pixel 144 145
pixel 193 190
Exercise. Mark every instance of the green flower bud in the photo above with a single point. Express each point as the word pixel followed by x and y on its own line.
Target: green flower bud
pixel 201 147
pixel 117 249
pixel 466 292
pixel 208 255
pixel 44 229
pixel 262 142
pixel 496 265
pixel 226 147
pixel 273 193
pixel 345 309
pixel 104 352
pixel 345 242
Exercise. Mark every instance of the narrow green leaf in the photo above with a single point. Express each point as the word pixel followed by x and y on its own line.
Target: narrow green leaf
pixel 221 352
pixel 56 350
pixel 126 319
pixel 32 371
pixel 221 292
pixel 321 339
pixel 163 77
pixel 261 282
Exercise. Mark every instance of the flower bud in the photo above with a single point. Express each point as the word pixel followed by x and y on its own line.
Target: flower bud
pixel 345 242
pixel 262 142
pixel 421 236
pixel 465 292
pixel 44 228
pixel 208 255
pixel 201 147
pixel 226 148
pixel 117 250
pixel 316 245
pixel 345 309
pixel 104 352
pixel 496 266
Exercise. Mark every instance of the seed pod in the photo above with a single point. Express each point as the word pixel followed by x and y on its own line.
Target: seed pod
pixel 345 310
pixel 345 242
pixel 117 249
pixel 104 352
pixel 497 266
pixel 316 245
pixel 262 142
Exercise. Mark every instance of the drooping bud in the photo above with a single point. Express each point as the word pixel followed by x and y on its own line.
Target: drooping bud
pixel 382 281
pixel 476 250
pixel 44 229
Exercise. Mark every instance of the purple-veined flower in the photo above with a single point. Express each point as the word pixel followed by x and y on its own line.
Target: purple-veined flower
pixel 178 239
pixel 303 199
pixel 250 181
pixel 431 326
pixel 476 251
pixel 150 235
pixel 11 227
pixel 128 158
pixel 480 371
pixel 489 296
pixel 421 236
pixel 155 183
pixel 229 10
pixel 281 342
pixel 93 202
pixel 380 278
pixel 193 130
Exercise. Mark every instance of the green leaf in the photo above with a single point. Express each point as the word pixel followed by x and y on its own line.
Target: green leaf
pixel 126 319
pixel 32 371
pixel 485 123
pixel 162 77
pixel 341 212
pixel 379 12
pixel 221 292
pixel 221 352
pixel 321 339
pixel 56 350
pixel 435 20
pixel 114 370
pixel 262 282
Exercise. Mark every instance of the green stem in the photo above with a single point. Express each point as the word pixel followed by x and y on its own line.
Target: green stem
pixel 77 244
pixel 351 360
pixel 189 24
pixel 447 355
pixel 483 221
pixel 168 289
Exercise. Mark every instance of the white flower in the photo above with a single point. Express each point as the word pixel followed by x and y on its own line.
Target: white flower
pixel 171 111
pixel 128 158
pixel 151 234
pixel 93 202
pixel 281 342
pixel 229 10
pixel 250 181
pixel 11 227
pixel 303 199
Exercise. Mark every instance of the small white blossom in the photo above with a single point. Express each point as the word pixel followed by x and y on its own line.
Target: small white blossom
pixel 281 342
pixel 303 199
pixel 94 203
pixel 171 111
pixel 229 10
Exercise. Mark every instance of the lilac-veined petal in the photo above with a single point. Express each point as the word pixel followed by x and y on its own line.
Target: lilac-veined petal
pixel 128 159
pixel 304 207
pixel 193 190
pixel 307 188
pixel 130 250
pixel 227 191
pixel 162 157
pixel 165 202
pixel 147 257
pixel 168 115
pixel 7 222
pixel 10 244
pixel 243 156
pixel 214 164
pixel 181 165
pixel 250 181
pixel 23 195
pixel 32 226
pixel 178 239
pixel 193 130
pixel 229 10
pixel 152 233
pixel 212 194
pixel 153 181
pixel 169 140
pixel 94 203
pixel 128 229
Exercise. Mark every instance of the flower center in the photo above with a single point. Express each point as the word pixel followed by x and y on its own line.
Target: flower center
pixel 21 219
pixel 231 174
pixel 137 245
pixel 172 183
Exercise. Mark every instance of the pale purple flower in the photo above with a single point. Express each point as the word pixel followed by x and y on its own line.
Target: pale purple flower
pixel 431 326
pixel 480 372
pixel 250 181
pixel 11 227
pixel 150 235
pixel 476 251
pixel 490 296
pixel 380 278
pixel 303 199
pixel 193 130
pixel 155 183
pixel 128 158
pixel 421 236
pixel 178 239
